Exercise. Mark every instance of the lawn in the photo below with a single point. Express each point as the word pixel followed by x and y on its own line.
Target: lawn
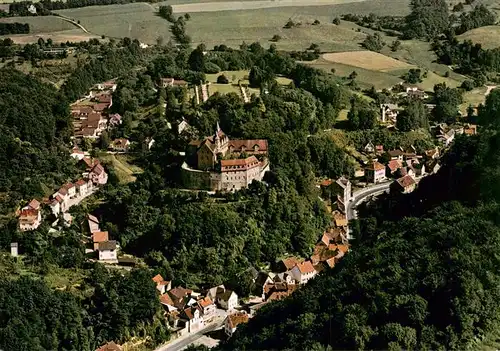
pixel 474 98
pixel 123 166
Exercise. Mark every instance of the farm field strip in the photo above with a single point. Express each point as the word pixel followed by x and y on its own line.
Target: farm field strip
pixel 366 59
pixel 253 5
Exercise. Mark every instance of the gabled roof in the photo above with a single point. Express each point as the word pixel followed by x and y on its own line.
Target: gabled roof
pixel 110 346
pixel 63 191
pixel 305 267
pixel 98 169
pixel 165 299
pixel 34 204
pixel 157 278
pixel 205 302
pixel 93 219
pixel 406 181
pixel 100 237
pixel 395 153
pixel 121 143
pixel 343 182
pixel 394 165
pixel 179 292
pixel 290 262
pixel 330 262
pixel 28 213
pixel 375 166
pixel 326 182
pixel 80 182
pixel 225 295
pixel 107 245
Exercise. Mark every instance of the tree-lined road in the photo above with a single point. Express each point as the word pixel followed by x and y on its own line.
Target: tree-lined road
pixel 362 194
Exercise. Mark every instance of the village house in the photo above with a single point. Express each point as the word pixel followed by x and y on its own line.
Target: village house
pixel 193 319
pixel 470 129
pixel 432 153
pixel 114 119
pixel 239 173
pixel 207 307
pixel 432 166
pixel 389 112
pixel 287 264
pixel 447 138
pixel 107 251
pixel 30 219
pixel 108 85
pixel 169 304
pixel 233 320
pixel 98 175
pixel 369 148
pixel 396 154
pixel 379 149
pixel 227 300
pixel 99 237
pixel 375 172
pixel 84 187
pixel 405 184
pixel 393 166
pixel 162 285
pixel 77 154
pixel 303 272
pixel 279 291
pixel 120 145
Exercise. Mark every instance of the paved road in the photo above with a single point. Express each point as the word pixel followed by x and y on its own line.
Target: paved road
pixel 361 195
pixel 184 342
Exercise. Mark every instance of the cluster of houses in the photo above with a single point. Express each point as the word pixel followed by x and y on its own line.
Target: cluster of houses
pixel 91 118
pixel 70 194
pixel 188 311
pixel 106 249
pixel 403 165
pixel 228 165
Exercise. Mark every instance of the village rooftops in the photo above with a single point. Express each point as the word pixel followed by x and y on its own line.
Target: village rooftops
pixel 239 163
pixel 237 318
pixel 326 182
pixel 99 237
pixel 290 262
pixel 394 165
pixel 256 145
pixel 29 214
pixel 165 299
pixel 179 292
pixel 121 143
pixel 343 182
pixel 406 181
pixel 80 182
pixel 375 166
pixel 34 204
pixel 98 169
pixel 305 267
pixel 205 302
pixel 395 153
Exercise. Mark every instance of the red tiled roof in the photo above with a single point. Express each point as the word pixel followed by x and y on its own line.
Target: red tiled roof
pixel 343 248
pixel 59 199
pixel 34 204
pixel 80 182
pixel 394 165
pixel 406 181
pixel 121 142
pixel 305 267
pixel 239 162
pixel 157 278
pixel 189 313
pixel 165 299
pixel 290 262
pixel 68 186
pixel 205 302
pixel 249 145
pixel 100 237
pixel 98 169
pixel 375 166
pixel 101 106
pixel 326 182
pixel 330 262
pixel 29 213
pixel 179 292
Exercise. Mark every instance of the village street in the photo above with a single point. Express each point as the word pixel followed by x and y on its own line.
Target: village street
pixel 188 339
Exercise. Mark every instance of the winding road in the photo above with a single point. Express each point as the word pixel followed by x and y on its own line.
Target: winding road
pixel 362 194
pixel 184 342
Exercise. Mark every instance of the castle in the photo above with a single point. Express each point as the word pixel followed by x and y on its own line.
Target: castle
pixel 224 164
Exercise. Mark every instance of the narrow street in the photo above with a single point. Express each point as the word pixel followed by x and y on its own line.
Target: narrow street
pixel 185 341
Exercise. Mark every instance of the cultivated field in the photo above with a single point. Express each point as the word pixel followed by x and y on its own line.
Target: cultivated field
pixel 252 5
pixel 488 37
pixel 57 37
pixel 366 59
pixel 366 78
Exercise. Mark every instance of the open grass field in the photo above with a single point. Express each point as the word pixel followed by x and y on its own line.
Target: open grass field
pixel 488 37
pixel 125 170
pixel 367 60
pixel 474 98
pixel 365 78
pixel 41 24
pixel 136 21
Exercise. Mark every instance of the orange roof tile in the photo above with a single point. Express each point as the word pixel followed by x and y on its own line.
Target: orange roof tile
pixel 205 302
pixel 406 181
pixel 165 299
pixel 375 166
pixel 100 237
pixel 305 267
pixel 157 278
pixel 290 262
pixel 237 318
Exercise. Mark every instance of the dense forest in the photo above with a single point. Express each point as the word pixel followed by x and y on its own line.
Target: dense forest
pixel 14 28
pixel 416 278
pixel 33 133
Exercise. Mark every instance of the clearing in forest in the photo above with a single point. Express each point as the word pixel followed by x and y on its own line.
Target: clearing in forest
pixel 487 36
pixel 367 59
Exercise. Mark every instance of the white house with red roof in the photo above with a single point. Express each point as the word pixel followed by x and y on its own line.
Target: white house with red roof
pixel 30 219
pixel 233 320
pixel 303 272
pixel 98 175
